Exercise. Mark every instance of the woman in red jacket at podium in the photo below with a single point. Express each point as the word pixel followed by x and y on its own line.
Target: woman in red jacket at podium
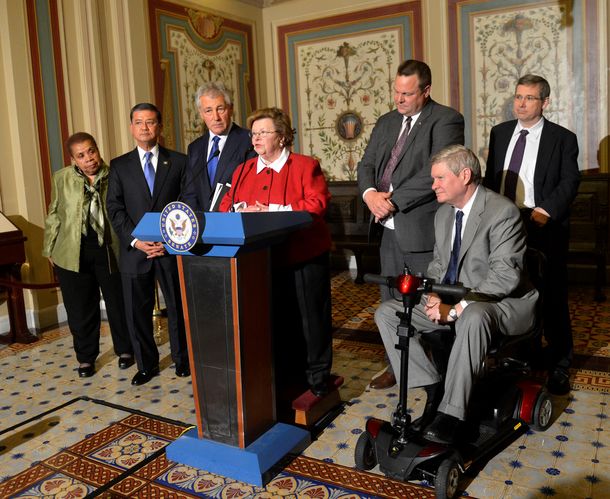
pixel 280 180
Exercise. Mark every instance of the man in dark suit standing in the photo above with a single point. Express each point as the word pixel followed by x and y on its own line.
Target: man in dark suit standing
pixel 213 157
pixel 534 162
pixel 143 180
pixel 394 175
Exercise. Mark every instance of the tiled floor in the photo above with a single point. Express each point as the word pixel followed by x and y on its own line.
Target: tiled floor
pixel 571 459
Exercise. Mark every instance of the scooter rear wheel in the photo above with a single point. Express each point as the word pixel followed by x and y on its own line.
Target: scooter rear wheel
pixel 447 479
pixel 364 454
pixel 543 412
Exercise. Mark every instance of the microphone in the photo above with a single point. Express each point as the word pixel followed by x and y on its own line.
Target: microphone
pixel 241 172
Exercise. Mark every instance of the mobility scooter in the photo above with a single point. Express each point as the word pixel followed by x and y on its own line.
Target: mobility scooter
pixel 502 406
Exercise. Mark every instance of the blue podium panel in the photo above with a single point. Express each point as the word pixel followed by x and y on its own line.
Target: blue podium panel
pixel 247 228
pixel 148 228
pixel 251 465
pixel 225 234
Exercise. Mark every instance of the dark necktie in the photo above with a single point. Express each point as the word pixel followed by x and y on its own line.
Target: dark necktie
pixel 213 159
pixel 149 171
pixel 512 174
pixel 452 270
pixel 386 178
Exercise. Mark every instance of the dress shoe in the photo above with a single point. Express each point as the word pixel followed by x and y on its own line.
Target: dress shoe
pixel 125 362
pixel 142 377
pixel 386 380
pixel 320 389
pixel 434 395
pixel 558 382
pixel 443 429
pixel 183 370
pixel 86 371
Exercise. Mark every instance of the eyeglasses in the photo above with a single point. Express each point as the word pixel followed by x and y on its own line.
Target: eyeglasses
pixel 527 98
pixel 220 110
pixel 148 123
pixel 262 133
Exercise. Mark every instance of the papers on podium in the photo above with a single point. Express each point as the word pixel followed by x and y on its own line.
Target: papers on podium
pixel 219 193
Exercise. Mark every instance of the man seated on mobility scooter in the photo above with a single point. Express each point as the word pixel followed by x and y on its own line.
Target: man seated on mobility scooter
pixel 480 243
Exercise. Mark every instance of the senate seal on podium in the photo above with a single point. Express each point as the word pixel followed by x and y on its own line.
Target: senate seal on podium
pixel 179 226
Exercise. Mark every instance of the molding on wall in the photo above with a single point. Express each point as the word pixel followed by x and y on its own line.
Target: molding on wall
pixel 38 319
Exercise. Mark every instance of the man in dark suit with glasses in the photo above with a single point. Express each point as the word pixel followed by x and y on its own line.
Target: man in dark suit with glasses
pixel 534 162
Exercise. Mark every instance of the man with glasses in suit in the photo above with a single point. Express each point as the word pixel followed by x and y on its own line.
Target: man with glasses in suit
pixel 534 162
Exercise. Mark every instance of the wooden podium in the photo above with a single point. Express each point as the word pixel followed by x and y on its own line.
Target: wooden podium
pixel 226 295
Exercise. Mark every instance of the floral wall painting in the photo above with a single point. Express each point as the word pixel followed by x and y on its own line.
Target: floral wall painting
pixel 337 80
pixel 191 47
pixel 497 42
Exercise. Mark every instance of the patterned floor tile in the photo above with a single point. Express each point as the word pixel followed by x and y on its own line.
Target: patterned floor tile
pixel 58 485
pixel 487 488
pixel 129 450
pixel 38 377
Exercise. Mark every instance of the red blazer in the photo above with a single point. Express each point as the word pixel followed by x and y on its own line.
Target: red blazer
pixel 300 184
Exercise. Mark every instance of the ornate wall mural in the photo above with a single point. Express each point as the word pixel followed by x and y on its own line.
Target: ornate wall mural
pixel 338 80
pixel 501 41
pixel 192 69
pixel 193 47
pixel 345 90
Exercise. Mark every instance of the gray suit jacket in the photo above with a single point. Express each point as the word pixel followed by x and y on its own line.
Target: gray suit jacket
pixel 492 257
pixel 438 126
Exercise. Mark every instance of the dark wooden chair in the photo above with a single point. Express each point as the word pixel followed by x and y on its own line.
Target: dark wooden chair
pixel 589 228
pixel 348 220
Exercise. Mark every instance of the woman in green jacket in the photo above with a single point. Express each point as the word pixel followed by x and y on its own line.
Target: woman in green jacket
pixel 81 245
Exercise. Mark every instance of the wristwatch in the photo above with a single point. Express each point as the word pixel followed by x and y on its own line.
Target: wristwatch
pixel 453 314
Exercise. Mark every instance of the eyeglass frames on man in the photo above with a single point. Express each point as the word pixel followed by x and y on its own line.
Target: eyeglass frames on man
pixel 527 98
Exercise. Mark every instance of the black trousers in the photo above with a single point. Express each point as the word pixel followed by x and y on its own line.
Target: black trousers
pixel 553 240
pixel 302 321
pixel 81 294
pixel 139 292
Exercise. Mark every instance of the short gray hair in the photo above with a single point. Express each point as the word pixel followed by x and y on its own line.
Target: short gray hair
pixel 213 89
pixel 457 158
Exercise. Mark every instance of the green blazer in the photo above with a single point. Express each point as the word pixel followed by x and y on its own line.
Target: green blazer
pixel 62 234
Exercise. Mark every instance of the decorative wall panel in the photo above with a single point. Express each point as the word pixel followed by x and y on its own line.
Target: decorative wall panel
pixel 191 47
pixel 496 42
pixel 336 79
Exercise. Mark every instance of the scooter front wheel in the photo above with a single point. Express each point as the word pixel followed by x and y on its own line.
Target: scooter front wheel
pixel 447 479
pixel 364 455
pixel 542 415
